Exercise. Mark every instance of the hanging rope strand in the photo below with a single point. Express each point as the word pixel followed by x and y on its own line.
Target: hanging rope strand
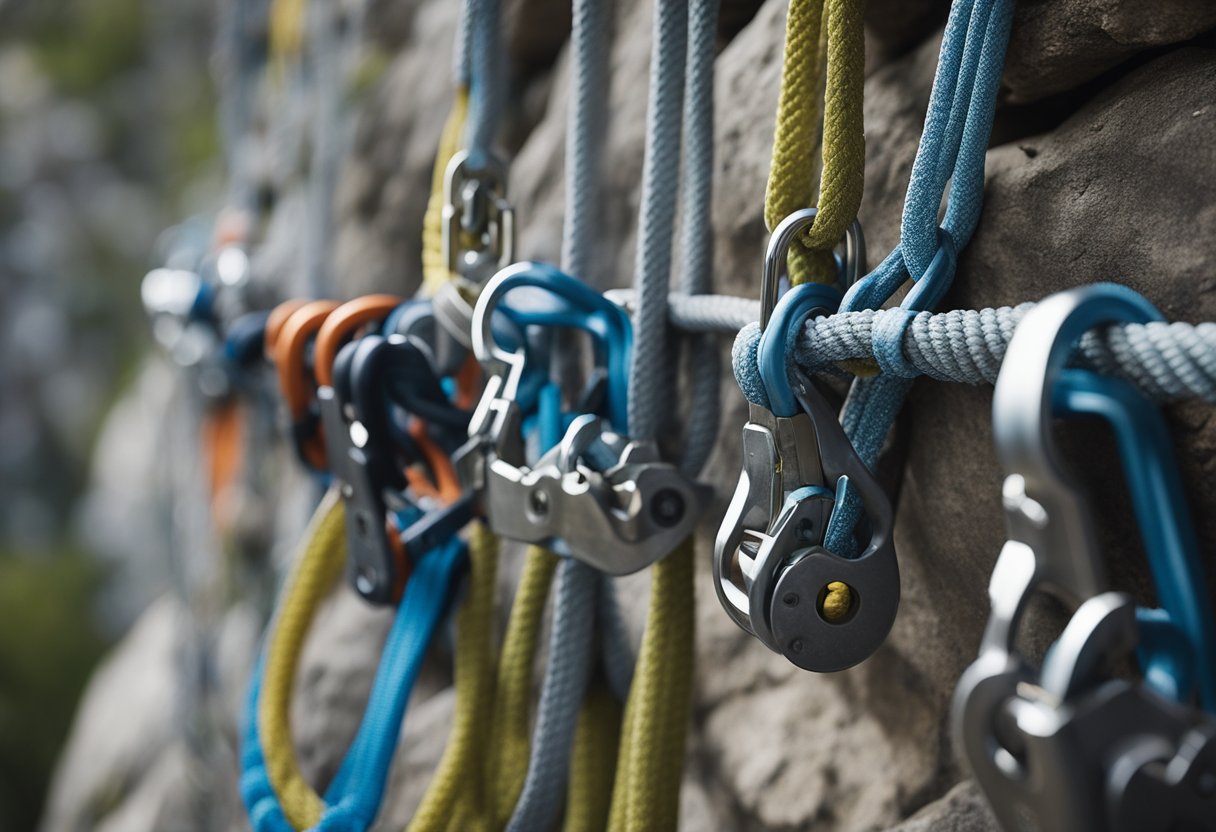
pixel 572 640
pixel 646 793
pixel 696 243
pixel 953 147
pixel 819 33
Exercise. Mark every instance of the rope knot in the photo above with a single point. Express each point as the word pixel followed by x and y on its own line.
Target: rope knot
pixel 888 336
pixel 745 361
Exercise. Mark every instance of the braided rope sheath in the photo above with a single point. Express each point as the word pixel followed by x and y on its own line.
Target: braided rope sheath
pixel 314 574
pixel 648 397
pixel 483 34
pixel 647 787
pixel 1167 361
pixel 581 594
pixel 459 774
pixel 819 33
pixel 506 756
pixel 647 793
pixel 565 685
pixel 593 767
pixel 701 355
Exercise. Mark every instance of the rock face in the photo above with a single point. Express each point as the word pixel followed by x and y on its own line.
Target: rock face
pixel 1106 182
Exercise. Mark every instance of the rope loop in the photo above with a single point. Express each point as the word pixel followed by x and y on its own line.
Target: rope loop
pixel 819 33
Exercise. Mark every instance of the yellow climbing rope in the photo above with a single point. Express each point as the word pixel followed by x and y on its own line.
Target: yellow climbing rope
pixel 457 795
pixel 434 266
pixel 510 743
pixel 651 762
pixel 593 765
pixel 286 31
pixel 819 33
pixel 316 571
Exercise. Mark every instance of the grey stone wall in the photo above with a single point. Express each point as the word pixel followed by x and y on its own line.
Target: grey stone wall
pixel 1103 168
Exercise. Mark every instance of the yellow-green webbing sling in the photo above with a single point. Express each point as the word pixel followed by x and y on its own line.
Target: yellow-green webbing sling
pixel 819 33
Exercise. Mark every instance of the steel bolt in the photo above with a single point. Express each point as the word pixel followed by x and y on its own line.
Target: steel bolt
pixel 539 502
pixel 667 507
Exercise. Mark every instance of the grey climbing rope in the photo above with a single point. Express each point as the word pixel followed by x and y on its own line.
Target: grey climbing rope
pixel 579 588
pixel 1167 361
pixel 480 46
pixel 696 244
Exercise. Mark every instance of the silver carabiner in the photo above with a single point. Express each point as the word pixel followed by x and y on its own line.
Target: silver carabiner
pixel 852 266
pixel 1069 747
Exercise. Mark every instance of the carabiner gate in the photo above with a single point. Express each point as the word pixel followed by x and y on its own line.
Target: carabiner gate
pixel 1070 746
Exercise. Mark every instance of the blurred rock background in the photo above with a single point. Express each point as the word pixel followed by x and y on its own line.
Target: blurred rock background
pixel 107 129
pixel 1102 167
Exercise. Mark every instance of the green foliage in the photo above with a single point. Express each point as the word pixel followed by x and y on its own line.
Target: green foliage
pixel 48 648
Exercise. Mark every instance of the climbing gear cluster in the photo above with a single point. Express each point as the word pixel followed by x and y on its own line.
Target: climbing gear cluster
pixel 514 402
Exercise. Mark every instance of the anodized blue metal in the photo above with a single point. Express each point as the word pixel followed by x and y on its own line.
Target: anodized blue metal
pixel 1164 520
pixel 580 307
pixel 794 307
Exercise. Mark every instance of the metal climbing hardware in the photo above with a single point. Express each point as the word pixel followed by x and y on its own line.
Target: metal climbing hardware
pixel 290 334
pixel 338 328
pixel 478 220
pixel 390 426
pixel 199 305
pixel 598 496
pixel 354 464
pixel 1071 746
pixel 822 611
pixel 478 235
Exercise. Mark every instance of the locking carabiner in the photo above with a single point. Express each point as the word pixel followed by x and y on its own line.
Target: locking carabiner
pixel 597 496
pixel 821 611
pixel 1071 747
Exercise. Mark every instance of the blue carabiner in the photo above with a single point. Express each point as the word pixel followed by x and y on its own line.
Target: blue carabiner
pixel 776 340
pixel 570 304
pixel 1178 642
pixel 1170 665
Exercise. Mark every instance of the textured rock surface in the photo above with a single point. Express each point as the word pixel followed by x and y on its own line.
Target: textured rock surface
pixel 1119 185
pixel 1060 45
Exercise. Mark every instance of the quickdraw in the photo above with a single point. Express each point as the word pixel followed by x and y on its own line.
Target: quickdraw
pixel 1069 745
pixel 365 389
